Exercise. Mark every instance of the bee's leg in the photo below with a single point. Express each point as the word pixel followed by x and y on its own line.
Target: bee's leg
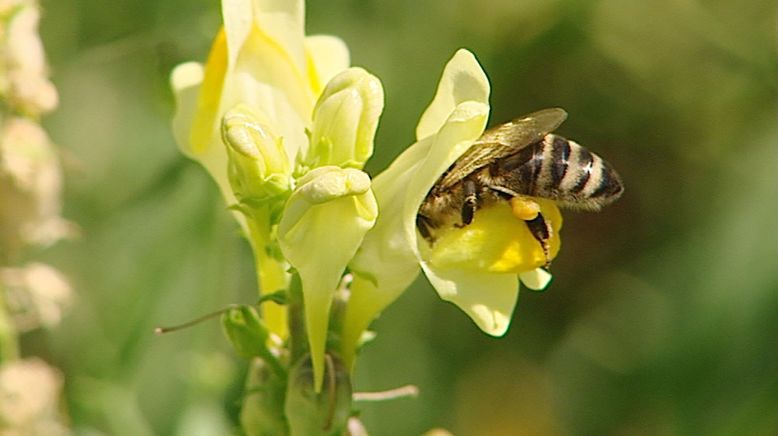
pixel 423 225
pixel 470 203
pixel 541 231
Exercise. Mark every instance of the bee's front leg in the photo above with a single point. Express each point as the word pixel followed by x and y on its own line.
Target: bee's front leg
pixel 423 224
pixel 470 203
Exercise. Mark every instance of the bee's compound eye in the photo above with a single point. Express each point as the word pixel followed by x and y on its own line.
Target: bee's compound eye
pixel 524 208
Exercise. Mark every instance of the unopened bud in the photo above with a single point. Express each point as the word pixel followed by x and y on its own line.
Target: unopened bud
pixel 258 165
pixel 345 120
pixel 324 413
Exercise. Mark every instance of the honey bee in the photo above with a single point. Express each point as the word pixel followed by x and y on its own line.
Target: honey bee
pixel 514 162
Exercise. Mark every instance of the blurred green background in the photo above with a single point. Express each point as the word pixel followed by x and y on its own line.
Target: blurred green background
pixel 663 314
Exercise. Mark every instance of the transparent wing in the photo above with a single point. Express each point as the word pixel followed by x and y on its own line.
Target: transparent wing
pixel 502 140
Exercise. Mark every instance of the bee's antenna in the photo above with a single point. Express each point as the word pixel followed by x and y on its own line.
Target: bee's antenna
pixel 198 320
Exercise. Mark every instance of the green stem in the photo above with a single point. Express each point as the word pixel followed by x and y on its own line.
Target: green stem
pixel 9 342
pixel 271 272
pixel 298 340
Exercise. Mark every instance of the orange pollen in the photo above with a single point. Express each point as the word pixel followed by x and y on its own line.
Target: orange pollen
pixel 524 208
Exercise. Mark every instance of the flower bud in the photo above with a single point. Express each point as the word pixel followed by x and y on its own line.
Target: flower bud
pixel 246 331
pixel 258 166
pixel 262 412
pixel 312 412
pixel 345 120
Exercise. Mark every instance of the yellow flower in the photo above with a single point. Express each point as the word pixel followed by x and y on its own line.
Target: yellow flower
pixel 321 228
pixel 476 267
pixel 284 127
pixel 260 58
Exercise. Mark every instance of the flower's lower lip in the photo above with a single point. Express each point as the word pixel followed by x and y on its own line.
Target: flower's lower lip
pixel 496 241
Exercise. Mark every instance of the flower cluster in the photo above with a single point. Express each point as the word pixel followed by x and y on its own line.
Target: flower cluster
pixel 285 126
pixel 32 295
pixel 30 173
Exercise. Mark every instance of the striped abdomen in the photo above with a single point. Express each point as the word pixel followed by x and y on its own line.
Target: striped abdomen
pixel 560 170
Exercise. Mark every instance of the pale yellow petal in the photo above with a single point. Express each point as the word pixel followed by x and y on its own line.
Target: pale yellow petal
pixel 266 61
pixel 266 65
pixel 284 22
pixel 327 56
pixel 185 81
pixel 385 264
pixel 238 19
pixel 195 123
pixel 537 279
pixel 462 80
pixel 487 298
pixel 365 302
pixel 257 59
pixel 207 116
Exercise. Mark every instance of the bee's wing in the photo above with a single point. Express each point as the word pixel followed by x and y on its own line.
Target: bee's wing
pixel 502 140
